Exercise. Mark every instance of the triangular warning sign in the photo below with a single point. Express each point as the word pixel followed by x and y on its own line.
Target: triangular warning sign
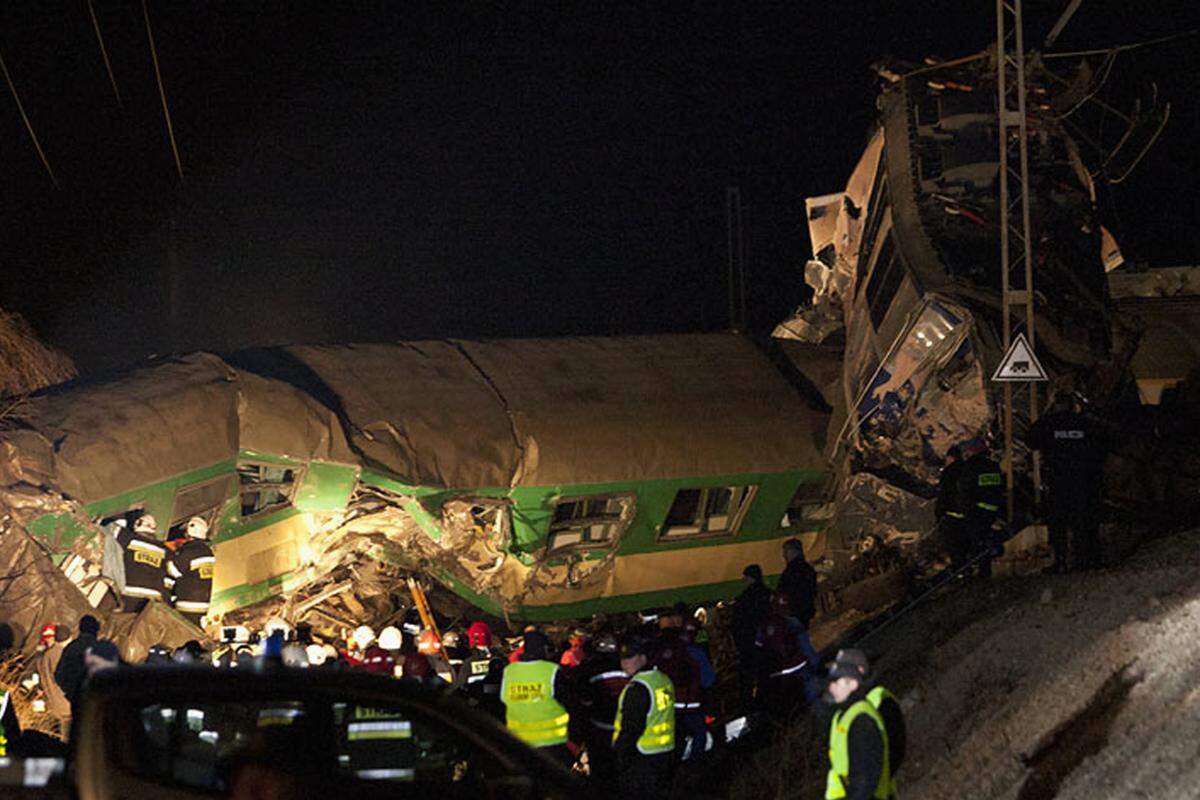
pixel 1019 363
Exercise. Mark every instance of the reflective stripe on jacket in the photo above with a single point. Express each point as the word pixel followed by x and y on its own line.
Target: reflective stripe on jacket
pixel 659 734
pixel 532 713
pixel 839 752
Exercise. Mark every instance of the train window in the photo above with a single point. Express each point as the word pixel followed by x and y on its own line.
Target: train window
pixel 594 521
pixel 716 511
pixel 199 500
pixel 812 501
pixel 266 487
pixel 885 281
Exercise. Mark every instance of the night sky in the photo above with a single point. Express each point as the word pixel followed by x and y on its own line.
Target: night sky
pixel 363 172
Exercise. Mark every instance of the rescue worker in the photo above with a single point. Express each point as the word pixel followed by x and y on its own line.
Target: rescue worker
pixel 71 672
pixel 1073 448
pixel 984 486
pixel 455 653
pixel 482 671
pixel 430 646
pixel 391 640
pixel 378 661
pixel 145 562
pixel 674 661
pixel 10 726
pixel 951 508
pixel 894 726
pixel 644 735
pixel 573 655
pixel 56 699
pixel 190 572
pixel 535 694
pixel 784 660
pixel 601 681
pixel 859 766
pixel 798 583
pixel 749 611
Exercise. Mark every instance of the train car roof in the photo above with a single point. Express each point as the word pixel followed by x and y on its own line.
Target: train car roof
pixel 455 414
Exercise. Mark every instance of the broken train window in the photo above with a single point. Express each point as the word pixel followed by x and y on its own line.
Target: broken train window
pixel 266 487
pixel 480 518
pixel 203 500
pixel 715 511
pixel 811 501
pixel 582 522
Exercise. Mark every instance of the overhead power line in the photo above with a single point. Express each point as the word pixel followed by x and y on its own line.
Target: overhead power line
pixel 1120 47
pixel 162 92
pixel 28 125
pixel 104 53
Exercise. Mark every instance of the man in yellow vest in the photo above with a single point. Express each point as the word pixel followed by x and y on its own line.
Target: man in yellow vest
pixel 859 767
pixel 536 696
pixel 644 736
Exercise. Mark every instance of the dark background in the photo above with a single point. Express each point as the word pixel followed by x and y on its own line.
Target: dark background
pixel 358 172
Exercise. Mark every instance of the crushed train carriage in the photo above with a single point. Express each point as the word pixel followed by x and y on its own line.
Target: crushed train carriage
pixel 535 479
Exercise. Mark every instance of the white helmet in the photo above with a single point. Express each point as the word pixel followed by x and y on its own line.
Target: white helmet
pixel 146 523
pixel 275 624
pixel 363 636
pixel 197 528
pixel 390 638
pixel 316 655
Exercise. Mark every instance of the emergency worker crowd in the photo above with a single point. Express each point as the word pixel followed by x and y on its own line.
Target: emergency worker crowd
pixel 633 707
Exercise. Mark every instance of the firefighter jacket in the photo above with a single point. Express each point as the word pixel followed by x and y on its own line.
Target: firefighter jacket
pixel 601 681
pixel 985 484
pixel 145 564
pixel 954 497
pixel 684 673
pixel 783 655
pixel 190 574
pixel 532 711
pixel 656 731
pixel 843 754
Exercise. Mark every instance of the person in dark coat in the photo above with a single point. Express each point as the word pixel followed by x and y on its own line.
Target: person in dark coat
pixel 983 484
pixel 798 583
pixel 749 611
pixel 1073 447
pixel 71 671
pixel 189 575
pixel 951 508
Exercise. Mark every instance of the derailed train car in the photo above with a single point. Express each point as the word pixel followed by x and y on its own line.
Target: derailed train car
pixel 535 480
pixel 906 276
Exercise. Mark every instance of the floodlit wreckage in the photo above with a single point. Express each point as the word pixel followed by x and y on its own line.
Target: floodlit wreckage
pixel 535 480
pixel 903 330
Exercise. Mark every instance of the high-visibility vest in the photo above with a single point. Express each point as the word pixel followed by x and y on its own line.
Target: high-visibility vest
pixel 531 712
pixel 5 698
pixel 876 697
pixel 659 734
pixel 839 752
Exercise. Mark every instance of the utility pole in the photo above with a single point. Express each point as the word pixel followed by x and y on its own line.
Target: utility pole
pixel 1016 245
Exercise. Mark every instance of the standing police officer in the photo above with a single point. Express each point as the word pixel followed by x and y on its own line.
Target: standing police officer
pixel 859 758
pixel 1073 446
pixel 644 739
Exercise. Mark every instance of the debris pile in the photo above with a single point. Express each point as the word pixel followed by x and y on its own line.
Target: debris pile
pixel 26 364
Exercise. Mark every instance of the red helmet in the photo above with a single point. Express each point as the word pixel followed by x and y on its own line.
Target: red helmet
pixel 479 635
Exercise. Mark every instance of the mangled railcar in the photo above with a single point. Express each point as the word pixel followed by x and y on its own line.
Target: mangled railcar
pixel 534 479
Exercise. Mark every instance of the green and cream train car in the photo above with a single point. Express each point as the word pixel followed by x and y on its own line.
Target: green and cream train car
pixel 536 479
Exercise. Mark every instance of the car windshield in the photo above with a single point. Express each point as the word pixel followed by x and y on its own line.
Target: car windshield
pixel 272 747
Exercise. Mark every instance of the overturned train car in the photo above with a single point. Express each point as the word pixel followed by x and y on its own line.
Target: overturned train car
pixel 535 480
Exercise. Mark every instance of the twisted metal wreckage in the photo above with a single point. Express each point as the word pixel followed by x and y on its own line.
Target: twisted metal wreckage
pixel 906 299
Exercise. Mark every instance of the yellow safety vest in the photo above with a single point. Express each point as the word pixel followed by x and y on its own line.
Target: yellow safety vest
pixel 4 701
pixel 876 697
pixel 659 735
pixel 531 712
pixel 839 752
